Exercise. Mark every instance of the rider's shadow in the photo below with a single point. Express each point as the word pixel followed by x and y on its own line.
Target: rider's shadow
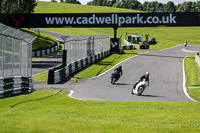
pixel 122 84
pixel 150 95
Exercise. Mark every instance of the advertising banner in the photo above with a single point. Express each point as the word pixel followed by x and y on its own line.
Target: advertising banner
pixel 100 20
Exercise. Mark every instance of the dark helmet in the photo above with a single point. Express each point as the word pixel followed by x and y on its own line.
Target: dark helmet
pixel 120 67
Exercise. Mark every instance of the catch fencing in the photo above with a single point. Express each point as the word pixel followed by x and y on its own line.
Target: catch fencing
pixel 82 51
pixel 15 55
pixel 79 47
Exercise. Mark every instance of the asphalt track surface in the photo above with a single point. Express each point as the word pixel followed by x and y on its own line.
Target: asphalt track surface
pixel 166 78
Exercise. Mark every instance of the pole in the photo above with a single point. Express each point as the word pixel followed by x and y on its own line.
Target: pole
pixel 115 32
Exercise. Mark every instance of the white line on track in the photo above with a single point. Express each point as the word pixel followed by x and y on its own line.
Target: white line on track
pixel 184 81
pixel 71 93
pixel 189 50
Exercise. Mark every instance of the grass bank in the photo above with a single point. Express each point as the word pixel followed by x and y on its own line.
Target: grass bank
pixel 52 111
pixel 192 77
pixel 43 40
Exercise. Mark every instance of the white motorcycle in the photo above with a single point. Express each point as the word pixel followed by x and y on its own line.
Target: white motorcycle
pixel 139 87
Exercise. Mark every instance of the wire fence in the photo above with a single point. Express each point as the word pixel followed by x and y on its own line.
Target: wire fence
pixel 79 47
pixel 15 52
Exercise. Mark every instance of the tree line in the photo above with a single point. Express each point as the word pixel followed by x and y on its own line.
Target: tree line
pixel 27 6
pixel 153 6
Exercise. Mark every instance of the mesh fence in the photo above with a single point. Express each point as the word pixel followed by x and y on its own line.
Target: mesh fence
pixel 15 52
pixel 79 47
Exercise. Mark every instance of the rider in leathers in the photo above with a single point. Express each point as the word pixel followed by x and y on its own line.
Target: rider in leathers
pixel 117 73
pixel 146 77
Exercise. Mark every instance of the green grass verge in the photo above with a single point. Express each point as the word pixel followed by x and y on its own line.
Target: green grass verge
pixel 192 76
pixel 53 112
pixel 43 40
pixel 41 76
pixel 106 64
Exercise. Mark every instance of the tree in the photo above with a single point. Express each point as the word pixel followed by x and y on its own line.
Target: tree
pixel 102 2
pixel 128 4
pixel 72 1
pixel 53 1
pixel 153 6
pixel 18 6
pixel 186 7
pixel 170 7
pixel 1 2
pixel 160 7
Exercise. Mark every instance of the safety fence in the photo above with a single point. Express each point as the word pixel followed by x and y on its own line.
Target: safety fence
pixel 14 85
pixel 82 51
pixel 60 73
pixel 15 53
pixel 79 47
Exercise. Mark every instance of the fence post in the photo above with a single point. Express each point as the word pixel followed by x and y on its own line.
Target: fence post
pixel 64 58
pixel 51 76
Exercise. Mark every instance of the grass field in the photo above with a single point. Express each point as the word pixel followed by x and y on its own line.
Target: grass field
pixel 46 7
pixel 53 112
pixel 192 74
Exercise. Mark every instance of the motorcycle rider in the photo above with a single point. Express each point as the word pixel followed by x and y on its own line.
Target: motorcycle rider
pixel 118 72
pixel 145 76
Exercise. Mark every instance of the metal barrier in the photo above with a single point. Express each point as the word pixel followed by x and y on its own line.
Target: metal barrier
pixel 79 47
pixel 15 53
pixel 40 53
pixel 61 73
pixel 14 85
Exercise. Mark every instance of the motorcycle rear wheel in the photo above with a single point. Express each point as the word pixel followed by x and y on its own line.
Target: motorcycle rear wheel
pixel 140 90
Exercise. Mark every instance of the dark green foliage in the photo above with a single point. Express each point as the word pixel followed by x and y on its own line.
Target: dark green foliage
pixel 153 6
pixel 17 6
pixel 70 1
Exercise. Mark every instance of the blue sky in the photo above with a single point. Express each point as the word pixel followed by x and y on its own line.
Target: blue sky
pixel 84 2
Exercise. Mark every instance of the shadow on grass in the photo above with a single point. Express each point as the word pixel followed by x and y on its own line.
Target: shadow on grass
pixel 36 99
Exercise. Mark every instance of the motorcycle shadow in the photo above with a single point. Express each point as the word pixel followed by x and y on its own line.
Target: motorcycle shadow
pixel 150 95
pixel 122 84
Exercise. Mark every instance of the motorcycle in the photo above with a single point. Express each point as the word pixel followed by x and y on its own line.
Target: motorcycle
pixel 114 77
pixel 139 87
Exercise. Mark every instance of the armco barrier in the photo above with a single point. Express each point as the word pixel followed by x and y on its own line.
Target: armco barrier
pixel 14 85
pixel 197 59
pixel 46 51
pixel 66 72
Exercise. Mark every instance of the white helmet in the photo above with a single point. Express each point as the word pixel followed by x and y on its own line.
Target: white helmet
pixel 147 74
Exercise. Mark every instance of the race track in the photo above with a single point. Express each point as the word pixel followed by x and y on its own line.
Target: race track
pixel 166 78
